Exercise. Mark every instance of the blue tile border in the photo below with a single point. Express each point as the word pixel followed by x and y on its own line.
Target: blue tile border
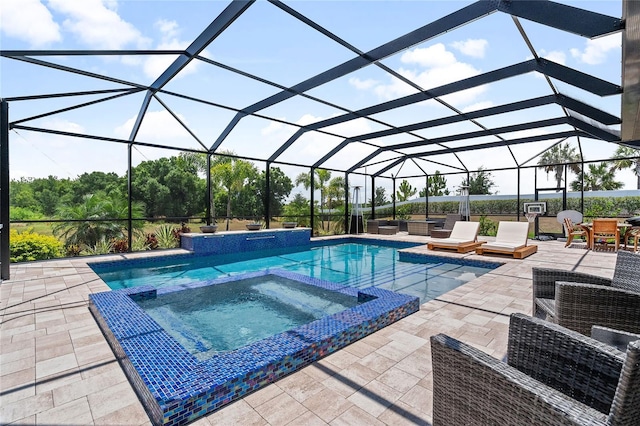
pixel 412 257
pixel 366 241
pixel 176 388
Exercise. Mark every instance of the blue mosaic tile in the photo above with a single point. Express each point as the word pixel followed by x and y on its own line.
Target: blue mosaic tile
pixel 176 388
pixel 429 258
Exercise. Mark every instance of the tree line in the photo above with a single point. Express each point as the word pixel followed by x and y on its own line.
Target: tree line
pixel 169 187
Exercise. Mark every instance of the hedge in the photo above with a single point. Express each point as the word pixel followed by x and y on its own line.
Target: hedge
pixel 593 207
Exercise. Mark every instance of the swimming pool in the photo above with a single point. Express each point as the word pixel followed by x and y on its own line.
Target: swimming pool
pixel 350 262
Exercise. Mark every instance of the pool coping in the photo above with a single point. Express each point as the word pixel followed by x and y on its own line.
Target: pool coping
pixel 175 388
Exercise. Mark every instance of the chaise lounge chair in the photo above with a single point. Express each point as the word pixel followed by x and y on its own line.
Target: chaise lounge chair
pixel 511 239
pixel 464 238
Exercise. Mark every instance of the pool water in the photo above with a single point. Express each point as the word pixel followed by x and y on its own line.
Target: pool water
pixel 251 309
pixel 350 264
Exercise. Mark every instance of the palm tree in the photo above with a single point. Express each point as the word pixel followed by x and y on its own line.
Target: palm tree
pixel 335 192
pixel 553 161
pixel 321 178
pixel 231 174
pixel 621 163
pixel 598 178
pixel 92 219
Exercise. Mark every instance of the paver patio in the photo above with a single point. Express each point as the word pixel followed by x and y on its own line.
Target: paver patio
pixel 57 368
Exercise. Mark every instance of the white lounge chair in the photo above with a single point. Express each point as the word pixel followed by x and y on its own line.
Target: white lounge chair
pixel 464 238
pixel 511 239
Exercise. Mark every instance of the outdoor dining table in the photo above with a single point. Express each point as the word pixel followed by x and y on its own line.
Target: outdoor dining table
pixel 587 226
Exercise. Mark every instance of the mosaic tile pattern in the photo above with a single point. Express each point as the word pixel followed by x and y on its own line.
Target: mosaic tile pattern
pixel 238 242
pixel 176 388
pixel 413 257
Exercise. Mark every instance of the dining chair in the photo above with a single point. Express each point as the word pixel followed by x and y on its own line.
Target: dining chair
pixel 574 231
pixel 603 231
pixel 632 235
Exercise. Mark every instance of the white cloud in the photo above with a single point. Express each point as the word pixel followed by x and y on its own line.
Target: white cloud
pixel 556 56
pixel 362 84
pixel 471 47
pixel 30 21
pixel 156 126
pixel 273 127
pixel 595 51
pixel 428 67
pixel 97 24
pixel 436 55
pixel 169 31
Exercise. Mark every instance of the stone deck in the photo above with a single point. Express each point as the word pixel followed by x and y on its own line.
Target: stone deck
pixel 57 368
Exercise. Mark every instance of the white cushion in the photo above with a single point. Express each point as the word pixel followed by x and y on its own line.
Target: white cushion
pixel 512 233
pixel 501 246
pixel 465 231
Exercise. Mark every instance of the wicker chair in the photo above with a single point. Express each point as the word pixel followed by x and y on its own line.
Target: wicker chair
pixel 447 227
pixel 578 301
pixel 553 376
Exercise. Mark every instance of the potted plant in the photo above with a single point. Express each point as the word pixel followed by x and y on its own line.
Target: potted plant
pixel 209 229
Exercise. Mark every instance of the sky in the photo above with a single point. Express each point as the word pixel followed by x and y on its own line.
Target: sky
pixel 270 44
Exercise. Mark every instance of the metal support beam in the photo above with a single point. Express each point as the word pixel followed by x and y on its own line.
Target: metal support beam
pixel 536 138
pixel 129 197
pixel 566 18
pixel 393 198
pixel 426 197
pixel 347 222
pixel 267 193
pixel 222 21
pixel 5 253
pixel 312 197
pixel 209 197
pixel 373 197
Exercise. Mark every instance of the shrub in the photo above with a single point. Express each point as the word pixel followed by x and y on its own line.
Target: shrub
pixel 487 227
pixel 120 245
pixel 101 247
pixel 27 246
pixel 165 236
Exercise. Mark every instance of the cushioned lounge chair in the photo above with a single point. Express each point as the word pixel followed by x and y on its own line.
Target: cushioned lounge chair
pixel 464 238
pixel 511 239
pixel 553 376
pixel 578 301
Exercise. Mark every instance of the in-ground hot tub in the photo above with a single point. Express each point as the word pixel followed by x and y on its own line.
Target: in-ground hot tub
pixel 179 382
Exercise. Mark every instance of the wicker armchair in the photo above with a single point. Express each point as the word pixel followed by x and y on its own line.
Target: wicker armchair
pixel 578 301
pixel 447 226
pixel 553 376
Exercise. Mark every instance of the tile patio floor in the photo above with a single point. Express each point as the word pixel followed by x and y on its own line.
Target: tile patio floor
pixel 56 368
